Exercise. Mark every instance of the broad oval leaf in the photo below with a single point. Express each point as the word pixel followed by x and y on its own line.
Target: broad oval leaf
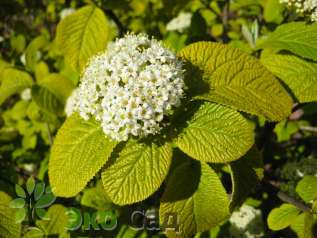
pixel 137 172
pixel 30 185
pixel 298 37
pixel 32 51
pixel 39 190
pixel 246 173
pixel 17 203
pixel 281 217
pixel 14 81
pixel 81 35
pixel 307 188
pixel 41 213
pixel 20 191
pixel 222 74
pixel 299 75
pixel 80 149
pixel 196 198
pixel 45 201
pixel 45 100
pixel 8 227
pixel 216 133
pixel 52 92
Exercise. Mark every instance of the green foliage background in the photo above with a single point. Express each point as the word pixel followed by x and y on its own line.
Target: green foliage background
pixel 41 59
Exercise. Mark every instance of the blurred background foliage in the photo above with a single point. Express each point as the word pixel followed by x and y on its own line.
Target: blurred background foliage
pixel 31 108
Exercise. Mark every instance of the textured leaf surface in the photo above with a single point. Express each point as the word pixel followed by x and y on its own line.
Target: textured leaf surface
pixel 246 173
pixel 307 188
pixel 297 37
pixel 299 75
pixel 195 194
pixel 52 92
pixel 225 75
pixel 281 217
pixel 138 171
pixel 8 227
pixel 14 81
pixel 216 133
pixel 81 35
pixel 80 149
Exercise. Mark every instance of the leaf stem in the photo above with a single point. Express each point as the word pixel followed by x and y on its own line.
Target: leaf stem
pixel 288 199
pixel 117 21
pixel 308 128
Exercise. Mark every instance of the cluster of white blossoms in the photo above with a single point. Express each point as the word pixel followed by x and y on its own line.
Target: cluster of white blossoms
pixel 130 87
pixel 246 222
pixel 304 6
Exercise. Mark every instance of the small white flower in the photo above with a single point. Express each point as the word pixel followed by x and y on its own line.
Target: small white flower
pixel 66 12
pixel 304 6
pixel 26 94
pixel 22 59
pixel 246 222
pixel 130 87
pixel 180 23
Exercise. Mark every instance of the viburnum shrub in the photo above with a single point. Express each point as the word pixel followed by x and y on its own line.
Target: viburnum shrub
pixel 157 122
pixel 144 115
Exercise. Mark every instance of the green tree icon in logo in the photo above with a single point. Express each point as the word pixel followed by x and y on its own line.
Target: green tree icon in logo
pixel 32 201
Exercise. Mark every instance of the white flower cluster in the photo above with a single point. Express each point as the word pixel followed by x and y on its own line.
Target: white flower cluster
pixel 130 87
pixel 304 6
pixel 180 23
pixel 246 222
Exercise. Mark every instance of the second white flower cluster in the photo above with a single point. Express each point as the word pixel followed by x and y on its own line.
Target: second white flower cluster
pixel 304 6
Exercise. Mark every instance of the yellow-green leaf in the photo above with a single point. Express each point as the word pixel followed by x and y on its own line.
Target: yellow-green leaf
pixel 79 151
pixel 215 133
pixel 81 35
pixel 97 198
pixel 307 188
pixel 303 225
pixel 298 37
pixel 14 81
pixel 8 227
pixel 57 221
pixel 32 51
pixel 195 198
pixel 52 92
pixel 137 172
pixel 281 217
pixel 299 75
pixel 222 74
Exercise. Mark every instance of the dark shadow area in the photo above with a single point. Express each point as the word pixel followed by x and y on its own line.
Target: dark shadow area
pixel 183 183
